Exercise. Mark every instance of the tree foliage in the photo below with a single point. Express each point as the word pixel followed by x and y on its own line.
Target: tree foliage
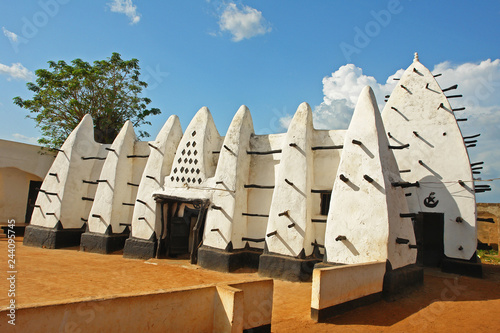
pixel 109 90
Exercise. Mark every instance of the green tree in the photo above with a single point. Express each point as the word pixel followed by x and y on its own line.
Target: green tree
pixel 109 90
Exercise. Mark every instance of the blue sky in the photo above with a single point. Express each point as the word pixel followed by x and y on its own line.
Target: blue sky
pixel 268 55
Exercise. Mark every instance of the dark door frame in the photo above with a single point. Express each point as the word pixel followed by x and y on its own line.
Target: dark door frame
pixel 428 245
pixel 34 188
pixel 199 204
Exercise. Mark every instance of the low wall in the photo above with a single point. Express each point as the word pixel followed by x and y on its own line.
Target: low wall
pixel 338 289
pixel 489 233
pixel 207 308
pixel 259 305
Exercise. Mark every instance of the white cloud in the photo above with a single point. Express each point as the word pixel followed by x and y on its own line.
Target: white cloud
pixel 479 83
pixel 246 22
pixel 341 90
pixel 25 139
pixel 10 35
pixel 16 71
pixel 126 7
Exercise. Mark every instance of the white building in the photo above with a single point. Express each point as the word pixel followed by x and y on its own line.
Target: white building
pixel 279 202
pixel 22 169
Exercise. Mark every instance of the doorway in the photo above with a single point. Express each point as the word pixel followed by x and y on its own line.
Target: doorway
pixel 32 195
pixel 183 222
pixel 429 234
pixel 181 232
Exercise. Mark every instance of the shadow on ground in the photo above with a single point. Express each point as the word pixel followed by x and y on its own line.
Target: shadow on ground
pixel 438 290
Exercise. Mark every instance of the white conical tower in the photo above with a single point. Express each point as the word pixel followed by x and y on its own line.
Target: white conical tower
pixel 289 217
pixel 143 243
pixel 419 114
pixel 230 200
pixel 290 232
pixel 194 160
pixel 61 203
pixel 112 191
pixel 364 222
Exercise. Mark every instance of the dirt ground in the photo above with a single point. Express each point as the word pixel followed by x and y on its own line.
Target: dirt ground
pixel 446 302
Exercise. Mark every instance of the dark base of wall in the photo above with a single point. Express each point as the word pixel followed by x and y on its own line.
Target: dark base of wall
pixel 463 267
pixel 223 261
pixel 286 268
pixel 260 329
pixel 402 279
pixel 137 248
pixel 101 243
pixel 51 238
pixel 335 310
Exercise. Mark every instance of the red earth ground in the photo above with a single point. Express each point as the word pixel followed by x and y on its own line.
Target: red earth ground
pixel 446 302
